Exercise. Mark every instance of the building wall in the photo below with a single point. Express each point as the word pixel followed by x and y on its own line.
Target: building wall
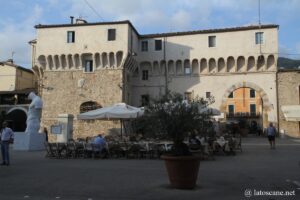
pixel 241 101
pixel 7 78
pixel 217 85
pixel 288 94
pixel 25 80
pixel 64 95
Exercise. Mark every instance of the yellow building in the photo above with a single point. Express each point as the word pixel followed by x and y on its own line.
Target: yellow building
pixel 16 83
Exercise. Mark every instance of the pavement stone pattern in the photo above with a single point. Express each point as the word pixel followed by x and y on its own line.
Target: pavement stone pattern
pixel 258 168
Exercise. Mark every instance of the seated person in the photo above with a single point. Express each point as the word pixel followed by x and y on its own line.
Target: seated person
pixel 194 142
pixel 100 144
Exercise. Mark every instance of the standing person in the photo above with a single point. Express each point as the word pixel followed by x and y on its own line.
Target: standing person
pixel 7 137
pixel 271 133
pixel 46 134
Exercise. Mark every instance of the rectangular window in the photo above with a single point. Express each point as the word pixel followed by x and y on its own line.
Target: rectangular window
pixel 231 110
pixel 71 36
pixel 88 66
pixel 207 95
pixel 259 38
pixel 111 34
pixel 187 70
pixel 145 100
pixel 211 41
pixel 252 93
pixel 252 109
pixel 188 96
pixel 158 45
pixel 144 45
pixel 230 95
pixel 145 75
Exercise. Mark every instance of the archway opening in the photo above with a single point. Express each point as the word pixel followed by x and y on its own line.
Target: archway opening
pixel 17 120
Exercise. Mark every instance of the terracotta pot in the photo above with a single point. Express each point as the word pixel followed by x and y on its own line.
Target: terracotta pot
pixel 182 170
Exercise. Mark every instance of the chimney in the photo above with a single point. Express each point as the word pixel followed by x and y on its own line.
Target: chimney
pixel 72 19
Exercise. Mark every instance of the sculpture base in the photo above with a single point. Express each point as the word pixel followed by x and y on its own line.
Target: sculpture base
pixel 29 142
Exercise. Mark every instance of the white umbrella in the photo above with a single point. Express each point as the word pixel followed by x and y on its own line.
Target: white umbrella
pixel 117 111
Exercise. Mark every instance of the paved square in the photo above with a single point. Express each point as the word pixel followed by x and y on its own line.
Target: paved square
pixel 31 176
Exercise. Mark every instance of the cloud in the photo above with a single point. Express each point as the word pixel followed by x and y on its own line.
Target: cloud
pixel 15 35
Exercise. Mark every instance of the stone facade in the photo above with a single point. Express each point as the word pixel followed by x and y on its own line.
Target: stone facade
pixel 65 95
pixel 288 94
pixel 114 63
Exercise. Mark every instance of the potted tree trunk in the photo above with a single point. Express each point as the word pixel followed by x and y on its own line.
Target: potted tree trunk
pixel 174 118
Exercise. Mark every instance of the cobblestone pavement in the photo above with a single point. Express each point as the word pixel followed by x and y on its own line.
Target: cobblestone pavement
pixel 256 170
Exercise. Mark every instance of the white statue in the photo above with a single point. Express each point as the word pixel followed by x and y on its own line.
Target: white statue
pixel 34 114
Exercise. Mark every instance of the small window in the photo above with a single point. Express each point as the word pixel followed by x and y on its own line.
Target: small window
pixel 252 93
pixel 252 109
pixel 259 38
pixel 211 41
pixel 188 96
pixel 230 95
pixel 145 100
pixel 88 66
pixel 187 70
pixel 207 95
pixel 231 109
pixel 145 75
pixel 158 45
pixel 111 34
pixel 71 36
pixel 144 45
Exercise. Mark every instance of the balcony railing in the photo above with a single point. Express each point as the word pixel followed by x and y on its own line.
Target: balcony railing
pixel 243 115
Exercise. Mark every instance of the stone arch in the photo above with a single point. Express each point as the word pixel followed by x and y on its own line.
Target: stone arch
pixel 42 61
pixel 97 60
pixel 163 66
pixel 70 61
pixel 104 60
pixel 195 67
pixel 119 57
pixel 260 63
pixel 271 62
pixel 56 62
pixel 187 67
pixel 241 64
pixel 266 102
pixel 63 61
pixel 251 64
pixel 77 61
pixel 50 62
pixel 171 67
pixel 178 67
pixel 111 60
pixel 18 116
pixel 203 66
pixel 156 70
pixel 88 106
pixel 230 64
pixel 221 65
pixel 212 65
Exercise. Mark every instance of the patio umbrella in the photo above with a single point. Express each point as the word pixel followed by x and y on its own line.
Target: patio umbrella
pixel 118 111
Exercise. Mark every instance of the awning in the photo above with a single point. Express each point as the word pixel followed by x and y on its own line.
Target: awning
pixel 291 112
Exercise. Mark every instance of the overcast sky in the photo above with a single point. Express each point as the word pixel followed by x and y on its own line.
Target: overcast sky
pixel 18 17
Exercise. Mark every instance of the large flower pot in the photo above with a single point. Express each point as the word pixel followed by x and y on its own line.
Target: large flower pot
pixel 182 170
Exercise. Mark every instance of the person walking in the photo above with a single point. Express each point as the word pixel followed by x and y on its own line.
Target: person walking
pixel 271 133
pixel 7 137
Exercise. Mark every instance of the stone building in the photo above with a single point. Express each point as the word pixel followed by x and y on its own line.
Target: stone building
pixel 16 83
pixel 289 102
pixel 83 66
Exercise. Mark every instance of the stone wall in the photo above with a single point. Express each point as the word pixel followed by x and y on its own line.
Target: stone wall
pixel 63 93
pixel 288 94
